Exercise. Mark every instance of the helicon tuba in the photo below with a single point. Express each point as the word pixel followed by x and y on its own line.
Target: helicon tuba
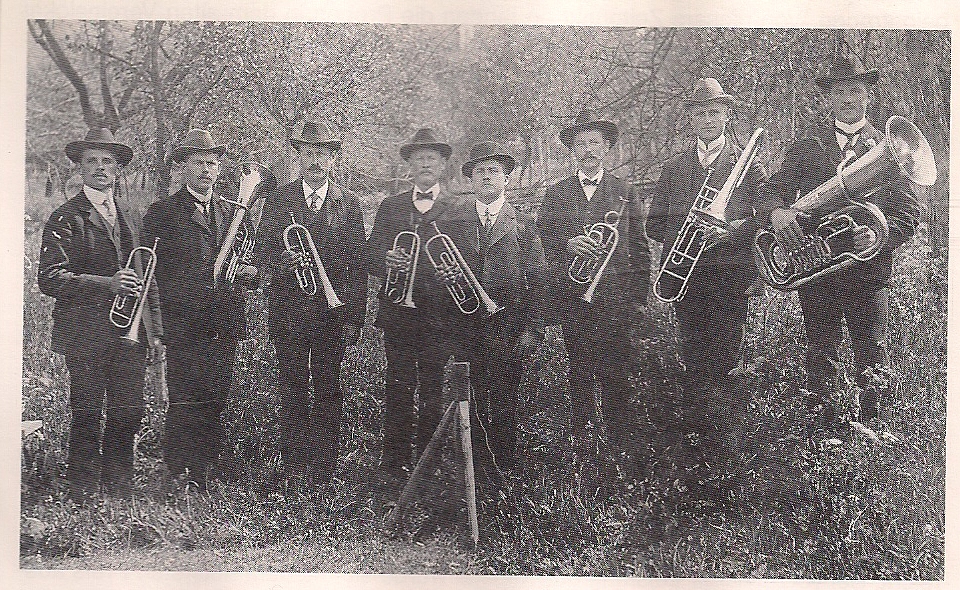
pixel 828 244
pixel 398 284
pixel 467 292
pixel 127 310
pixel 311 275
pixel 584 269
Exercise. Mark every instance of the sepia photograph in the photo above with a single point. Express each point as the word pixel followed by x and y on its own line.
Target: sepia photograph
pixel 560 300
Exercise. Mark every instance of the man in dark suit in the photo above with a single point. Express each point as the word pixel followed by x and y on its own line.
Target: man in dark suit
pixel 204 322
pixel 310 332
pixel 84 252
pixel 596 334
pixel 858 294
pixel 408 330
pixel 501 247
pixel 712 313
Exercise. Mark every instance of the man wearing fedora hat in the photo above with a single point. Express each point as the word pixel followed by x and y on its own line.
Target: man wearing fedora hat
pixel 309 336
pixel 858 294
pixel 407 331
pixel 712 314
pixel 84 252
pixel 204 323
pixel 501 247
pixel 596 334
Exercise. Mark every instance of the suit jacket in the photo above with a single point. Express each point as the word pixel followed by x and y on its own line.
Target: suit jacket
pixel 397 214
pixel 812 160
pixel 78 255
pixel 678 186
pixel 566 212
pixel 185 257
pixel 337 232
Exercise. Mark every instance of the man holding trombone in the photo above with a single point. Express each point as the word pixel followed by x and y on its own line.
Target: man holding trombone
pixel 86 263
pixel 310 244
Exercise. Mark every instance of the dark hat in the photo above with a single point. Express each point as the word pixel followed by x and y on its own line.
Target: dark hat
pixel 843 68
pixel 706 90
pixel 196 140
pixel 585 122
pixel 425 139
pixel 99 139
pixel 316 133
pixel 488 150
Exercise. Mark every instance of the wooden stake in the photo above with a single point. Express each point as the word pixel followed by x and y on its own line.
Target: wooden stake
pixel 470 481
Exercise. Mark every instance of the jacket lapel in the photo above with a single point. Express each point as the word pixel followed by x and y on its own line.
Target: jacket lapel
pixel 194 214
pixel 505 223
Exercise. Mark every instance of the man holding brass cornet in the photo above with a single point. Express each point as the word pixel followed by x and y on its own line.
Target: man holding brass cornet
pixel 858 294
pixel 86 264
pixel 310 243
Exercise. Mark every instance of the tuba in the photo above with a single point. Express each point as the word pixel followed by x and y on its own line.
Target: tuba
pixel 398 285
pixel 127 310
pixel 311 275
pixel 828 244
pixel 585 270
pixel 255 181
pixel 467 292
pixel 706 214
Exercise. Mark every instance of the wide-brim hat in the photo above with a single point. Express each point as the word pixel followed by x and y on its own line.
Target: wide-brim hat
pixel 708 90
pixel 488 150
pixel 196 140
pixel 102 139
pixel 425 139
pixel 843 68
pixel 316 133
pixel 586 121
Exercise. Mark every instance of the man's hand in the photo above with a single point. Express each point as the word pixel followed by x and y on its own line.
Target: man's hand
pixel 715 235
pixel 155 351
pixel 245 275
pixel 448 276
pixel 125 283
pixel 290 262
pixel 351 334
pixel 399 260
pixel 786 228
pixel 864 237
pixel 584 246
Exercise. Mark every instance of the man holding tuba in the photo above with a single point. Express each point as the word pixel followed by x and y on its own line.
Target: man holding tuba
pixel 310 243
pixel 83 264
pixel 712 312
pixel 408 298
pixel 596 334
pixel 858 294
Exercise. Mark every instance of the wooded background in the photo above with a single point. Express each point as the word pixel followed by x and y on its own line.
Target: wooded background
pixel 252 83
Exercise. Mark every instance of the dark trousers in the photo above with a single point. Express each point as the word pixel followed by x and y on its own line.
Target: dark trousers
pixel 310 350
pixel 866 312
pixel 113 382
pixel 199 374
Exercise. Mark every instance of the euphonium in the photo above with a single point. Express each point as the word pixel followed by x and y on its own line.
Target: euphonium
pixel 255 181
pixel 398 285
pixel 467 292
pixel 127 310
pixel 242 251
pixel 706 215
pixel 828 244
pixel 584 269
pixel 311 275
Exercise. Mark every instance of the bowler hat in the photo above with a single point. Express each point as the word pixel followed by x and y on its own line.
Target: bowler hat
pixel 196 140
pixel 707 90
pixel 100 138
pixel 585 122
pixel 316 133
pixel 843 68
pixel 488 150
pixel 425 139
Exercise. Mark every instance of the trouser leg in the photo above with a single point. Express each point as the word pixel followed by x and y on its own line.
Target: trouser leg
pixel 583 403
pixel 124 411
pixel 821 321
pixel 866 316
pixel 326 415
pixel 401 383
pixel 87 389
pixel 293 360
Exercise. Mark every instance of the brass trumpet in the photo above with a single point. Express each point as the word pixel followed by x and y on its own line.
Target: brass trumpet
pixel 311 275
pixel 584 269
pixel 127 310
pixel 467 292
pixel 398 285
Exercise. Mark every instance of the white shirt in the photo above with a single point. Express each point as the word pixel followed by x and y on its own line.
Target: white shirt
pixel 202 199
pixel 708 152
pixel 855 128
pixel 317 200
pixel 102 201
pixel 423 204
pixel 491 210
pixel 590 189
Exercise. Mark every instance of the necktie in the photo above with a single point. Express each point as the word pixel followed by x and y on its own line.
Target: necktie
pixel 590 182
pixel 851 137
pixel 708 156
pixel 108 206
pixel 312 201
pixel 487 222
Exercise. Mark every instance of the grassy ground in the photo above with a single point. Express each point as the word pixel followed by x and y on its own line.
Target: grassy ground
pixel 806 505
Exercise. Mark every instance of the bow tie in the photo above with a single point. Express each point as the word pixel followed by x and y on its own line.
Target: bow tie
pixel 420 195
pixel 590 182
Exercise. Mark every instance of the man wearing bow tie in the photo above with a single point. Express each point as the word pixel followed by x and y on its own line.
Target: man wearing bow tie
pixel 309 335
pixel 858 294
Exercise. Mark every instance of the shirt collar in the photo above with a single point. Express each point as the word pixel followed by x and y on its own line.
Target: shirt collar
pixel 97 196
pixel 321 192
pixel 203 198
pixel 493 208
pixel 583 176
pixel 854 128
pixel 433 190
pixel 717 144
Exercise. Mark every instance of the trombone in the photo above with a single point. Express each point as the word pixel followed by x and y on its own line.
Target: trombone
pixel 127 310
pixel 467 292
pixel 310 274
pixel 398 285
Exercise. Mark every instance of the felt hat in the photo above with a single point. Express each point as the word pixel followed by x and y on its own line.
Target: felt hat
pixel 100 138
pixel 488 150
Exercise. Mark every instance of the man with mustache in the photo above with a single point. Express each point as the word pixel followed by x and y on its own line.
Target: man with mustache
pixel 407 331
pixel 309 335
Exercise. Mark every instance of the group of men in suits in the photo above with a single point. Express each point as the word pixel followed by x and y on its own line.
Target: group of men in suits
pixel 524 265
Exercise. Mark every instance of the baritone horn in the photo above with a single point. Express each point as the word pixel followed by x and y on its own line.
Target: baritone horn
pixel 467 292
pixel 589 269
pixel 255 181
pixel 843 201
pixel 127 310
pixel 311 275
pixel 398 285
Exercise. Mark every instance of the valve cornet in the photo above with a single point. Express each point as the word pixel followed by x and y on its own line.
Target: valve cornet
pixel 255 181
pixel 127 310
pixel 467 292
pixel 311 275
pixel 398 285
pixel 585 269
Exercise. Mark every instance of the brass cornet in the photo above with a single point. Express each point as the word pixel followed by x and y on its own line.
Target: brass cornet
pixel 127 310
pixel 398 285
pixel 585 269
pixel 467 292
pixel 310 275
